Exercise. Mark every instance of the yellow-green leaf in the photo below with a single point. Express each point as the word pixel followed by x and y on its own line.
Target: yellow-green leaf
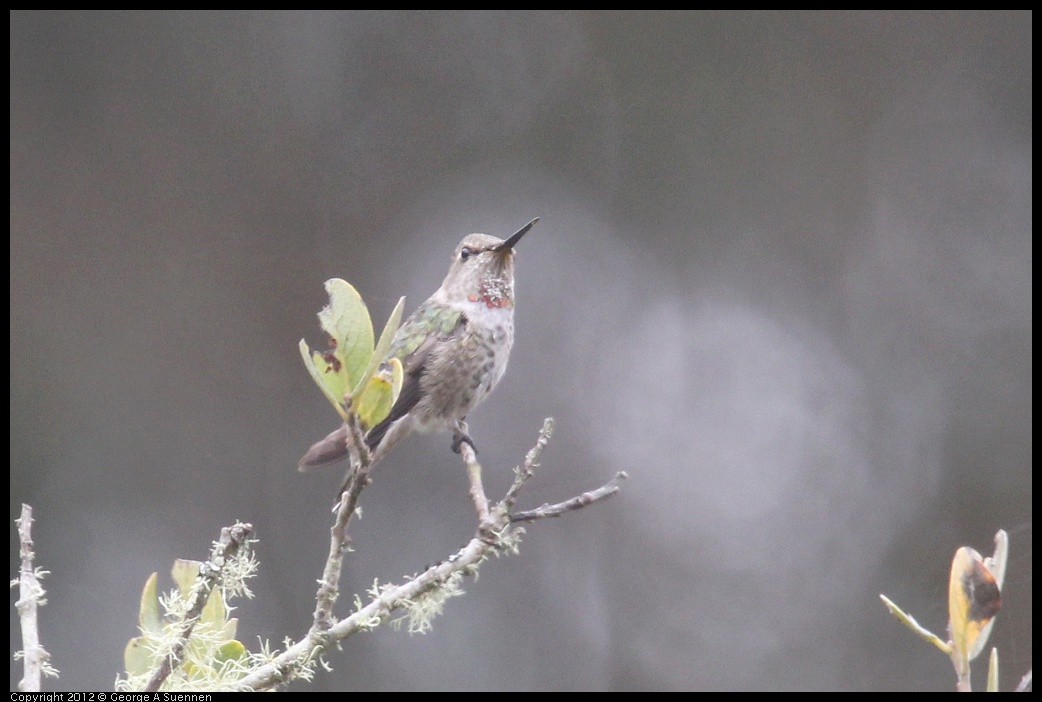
pixel 317 376
pixel 383 345
pixel 376 400
pixel 214 610
pixel 346 320
pixel 331 373
pixel 230 651
pixel 228 633
pixel 191 671
pixel 148 616
pixel 137 658
pixel 184 574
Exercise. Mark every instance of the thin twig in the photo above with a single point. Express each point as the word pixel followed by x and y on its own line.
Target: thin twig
pixel 522 474
pixel 909 621
pixel 210 576
pixel 578 502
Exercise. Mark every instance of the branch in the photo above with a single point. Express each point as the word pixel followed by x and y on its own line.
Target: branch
pixel 210 576
pixel 470 459
pixel 422 596
pixel 286 665
pixel 522 474
pixel 30 598
pixel 340 541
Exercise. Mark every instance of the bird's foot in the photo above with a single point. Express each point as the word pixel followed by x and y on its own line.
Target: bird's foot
pixel 461 435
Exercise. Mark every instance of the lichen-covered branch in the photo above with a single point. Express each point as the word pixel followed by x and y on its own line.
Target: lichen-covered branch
pixel 211 574
pixel 30 599
pixel 420 597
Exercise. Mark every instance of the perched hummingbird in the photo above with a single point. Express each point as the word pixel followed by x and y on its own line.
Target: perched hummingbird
pixel 453 348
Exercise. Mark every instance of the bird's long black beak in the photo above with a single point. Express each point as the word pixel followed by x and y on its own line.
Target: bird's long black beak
pixel 512 241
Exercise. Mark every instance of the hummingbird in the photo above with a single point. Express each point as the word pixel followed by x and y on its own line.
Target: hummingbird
pixel 453 349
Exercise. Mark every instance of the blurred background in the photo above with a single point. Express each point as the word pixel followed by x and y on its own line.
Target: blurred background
pixel 782 277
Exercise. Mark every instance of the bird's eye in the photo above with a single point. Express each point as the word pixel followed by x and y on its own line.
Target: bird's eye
pixel 465 253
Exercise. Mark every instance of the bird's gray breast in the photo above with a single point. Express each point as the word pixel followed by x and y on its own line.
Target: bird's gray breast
pixel 461 371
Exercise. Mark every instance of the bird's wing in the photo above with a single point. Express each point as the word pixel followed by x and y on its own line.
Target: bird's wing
pixel 413 364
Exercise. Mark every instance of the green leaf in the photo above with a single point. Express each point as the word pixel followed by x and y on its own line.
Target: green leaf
pixel 346 320
pixel 230 651
pixel 383 345
pixel 228 633
pixel 148 616
pixel 137 658
pixel 375 402
pixel 214 611
pixel 353 365
pixel 316 375
pixel 185 573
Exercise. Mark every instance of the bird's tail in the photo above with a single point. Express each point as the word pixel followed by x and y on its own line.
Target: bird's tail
pixel 327 451
pixel 334 447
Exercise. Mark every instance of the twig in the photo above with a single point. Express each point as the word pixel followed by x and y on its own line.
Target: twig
pixel 30 599
pixel 340 540
pixel 210 576
pixel 522 474
pixel 909 621
pixel 578 502
pixel 477 490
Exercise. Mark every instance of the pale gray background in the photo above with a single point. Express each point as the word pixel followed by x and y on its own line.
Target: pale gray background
pixel 783 277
